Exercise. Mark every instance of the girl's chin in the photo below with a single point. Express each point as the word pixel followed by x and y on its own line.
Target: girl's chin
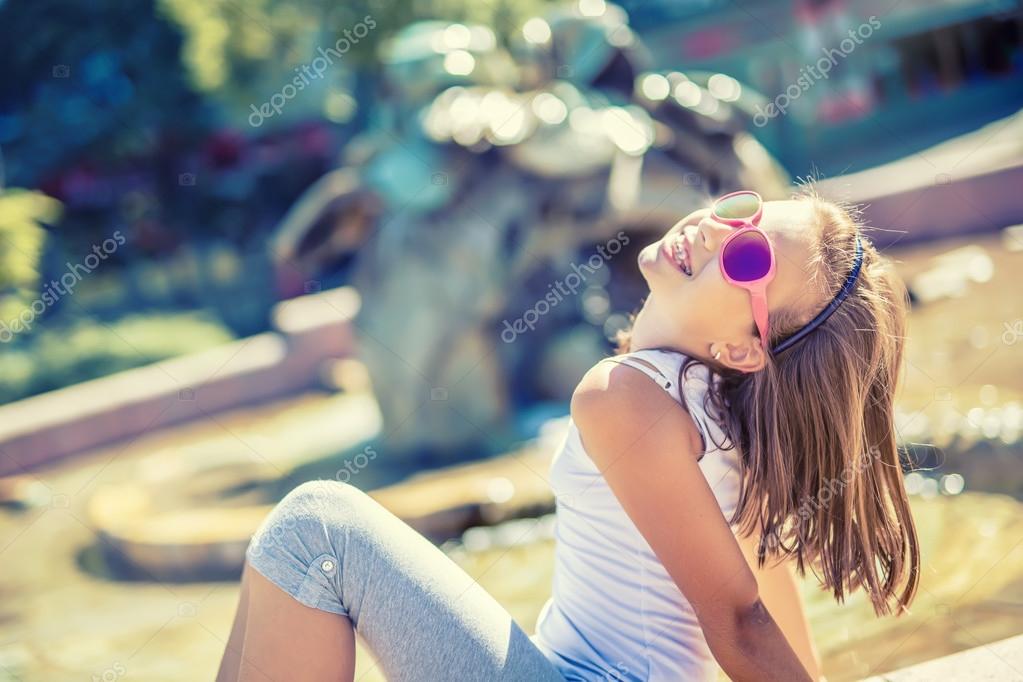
pixel 654 260
pixel 648 257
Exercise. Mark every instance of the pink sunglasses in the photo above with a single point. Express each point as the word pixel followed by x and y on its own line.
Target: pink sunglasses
pixel 747 256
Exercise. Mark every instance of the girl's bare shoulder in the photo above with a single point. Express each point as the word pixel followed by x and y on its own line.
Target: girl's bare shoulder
pixel 617 405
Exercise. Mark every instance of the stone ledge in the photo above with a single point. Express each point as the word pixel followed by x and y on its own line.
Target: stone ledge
pixel 311 330
pixel 996 662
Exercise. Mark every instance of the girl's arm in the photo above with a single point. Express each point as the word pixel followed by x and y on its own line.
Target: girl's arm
pixel 644 445
pixel 780 594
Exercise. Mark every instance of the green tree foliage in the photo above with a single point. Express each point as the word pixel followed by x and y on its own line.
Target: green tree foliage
pixel 100 79
pixel 242 51
pixel 22 240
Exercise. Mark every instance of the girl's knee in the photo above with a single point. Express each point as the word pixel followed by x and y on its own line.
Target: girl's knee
pixel 323 498
pixel 301 544
pixel 314 517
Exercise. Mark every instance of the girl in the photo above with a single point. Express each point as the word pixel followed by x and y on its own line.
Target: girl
pixel 743 434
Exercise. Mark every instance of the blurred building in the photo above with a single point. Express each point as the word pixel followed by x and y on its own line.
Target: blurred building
pixel 899 76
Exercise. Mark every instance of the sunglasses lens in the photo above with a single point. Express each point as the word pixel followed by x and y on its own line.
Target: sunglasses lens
pixel 737 207
pixel 747 257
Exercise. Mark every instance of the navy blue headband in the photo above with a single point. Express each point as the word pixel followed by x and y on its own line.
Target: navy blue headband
pixel 823 315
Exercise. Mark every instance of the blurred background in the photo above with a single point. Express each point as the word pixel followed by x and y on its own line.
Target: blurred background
pixel 249 243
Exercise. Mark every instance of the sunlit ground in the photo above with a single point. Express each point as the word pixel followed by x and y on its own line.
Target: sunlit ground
pixel 62 619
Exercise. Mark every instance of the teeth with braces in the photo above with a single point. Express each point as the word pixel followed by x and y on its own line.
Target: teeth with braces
pixel 680 255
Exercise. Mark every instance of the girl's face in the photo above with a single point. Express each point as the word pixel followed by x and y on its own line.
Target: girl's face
pixel 700 313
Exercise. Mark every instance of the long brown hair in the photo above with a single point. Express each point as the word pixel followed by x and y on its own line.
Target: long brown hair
pixel 821 474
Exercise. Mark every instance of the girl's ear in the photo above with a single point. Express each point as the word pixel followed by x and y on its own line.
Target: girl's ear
pixel 747 356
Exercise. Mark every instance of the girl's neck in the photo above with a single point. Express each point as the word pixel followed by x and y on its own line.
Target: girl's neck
pixel 650 330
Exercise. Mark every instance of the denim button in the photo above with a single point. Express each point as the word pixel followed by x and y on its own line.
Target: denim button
pixel 327 565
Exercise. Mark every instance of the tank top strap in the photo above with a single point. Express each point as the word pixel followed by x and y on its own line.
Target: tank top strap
pixel 646 366
pixel 665 368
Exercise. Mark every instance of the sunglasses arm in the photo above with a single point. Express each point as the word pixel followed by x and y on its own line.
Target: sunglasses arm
pixel 758 298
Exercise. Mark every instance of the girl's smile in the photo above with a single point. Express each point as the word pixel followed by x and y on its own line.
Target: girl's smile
pixel 691 306
pixel 676 249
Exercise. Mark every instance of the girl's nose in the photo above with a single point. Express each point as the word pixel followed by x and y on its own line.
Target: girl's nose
pixel 711 233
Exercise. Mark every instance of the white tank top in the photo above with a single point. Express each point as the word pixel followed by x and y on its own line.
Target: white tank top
pixel 615 613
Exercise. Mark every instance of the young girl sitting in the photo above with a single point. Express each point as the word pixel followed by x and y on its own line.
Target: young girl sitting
pixel 743 434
